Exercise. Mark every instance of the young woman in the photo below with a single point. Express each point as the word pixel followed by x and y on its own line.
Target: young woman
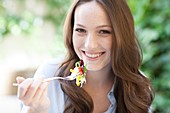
pixel 101 33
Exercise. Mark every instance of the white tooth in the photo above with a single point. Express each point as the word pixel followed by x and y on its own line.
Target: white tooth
pixel 93 55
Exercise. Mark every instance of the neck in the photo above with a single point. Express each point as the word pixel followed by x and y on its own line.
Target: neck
pixel 100 78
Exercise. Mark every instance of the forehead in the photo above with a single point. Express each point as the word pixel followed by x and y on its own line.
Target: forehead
pixel 91 12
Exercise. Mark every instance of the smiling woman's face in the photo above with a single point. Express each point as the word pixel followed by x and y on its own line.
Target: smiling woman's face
pixel 92 35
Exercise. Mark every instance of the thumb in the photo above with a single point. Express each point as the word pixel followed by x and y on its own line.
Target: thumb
pixel 20 79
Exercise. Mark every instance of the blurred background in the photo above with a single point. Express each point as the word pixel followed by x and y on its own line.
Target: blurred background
pixel 31 33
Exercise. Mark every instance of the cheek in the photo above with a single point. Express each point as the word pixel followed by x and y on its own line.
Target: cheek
pixel 77 41
pixel 110 42
pixel 74 41
pixel 107 43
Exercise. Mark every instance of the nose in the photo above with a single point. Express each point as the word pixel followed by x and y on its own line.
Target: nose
pixel 91 42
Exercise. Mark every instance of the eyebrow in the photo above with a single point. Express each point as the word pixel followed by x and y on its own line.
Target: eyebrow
pixel 80 25
pixel 97 26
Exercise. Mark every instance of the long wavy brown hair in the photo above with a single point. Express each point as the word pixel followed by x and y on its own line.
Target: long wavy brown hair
pixel 133 91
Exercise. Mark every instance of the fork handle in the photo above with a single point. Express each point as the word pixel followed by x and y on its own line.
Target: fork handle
pixel 50 79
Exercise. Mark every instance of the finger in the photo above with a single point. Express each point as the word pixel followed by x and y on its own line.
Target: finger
pixel 20 79
pixel 40 91
pixel 33 88
pixel 23 88
pixel 46 89
pixel 44 94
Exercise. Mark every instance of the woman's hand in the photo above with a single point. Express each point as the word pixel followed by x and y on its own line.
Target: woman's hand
pixel 33 93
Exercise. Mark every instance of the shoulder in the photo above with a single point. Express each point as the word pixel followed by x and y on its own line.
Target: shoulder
pixel 48 68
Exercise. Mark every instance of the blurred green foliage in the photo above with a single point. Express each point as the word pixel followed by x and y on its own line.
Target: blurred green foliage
pixel 15 18
pixel 152 21
pixel 24 17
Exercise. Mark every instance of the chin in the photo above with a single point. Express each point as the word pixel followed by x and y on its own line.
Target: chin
pixel 94 68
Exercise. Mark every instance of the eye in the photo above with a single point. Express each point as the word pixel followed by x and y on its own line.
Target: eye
pixel 104 32
pixel 80 30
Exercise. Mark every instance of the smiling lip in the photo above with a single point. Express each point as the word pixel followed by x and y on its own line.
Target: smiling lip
pixel 92 55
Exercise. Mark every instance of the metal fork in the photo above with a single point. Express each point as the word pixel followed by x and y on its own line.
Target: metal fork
pixel 52 78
